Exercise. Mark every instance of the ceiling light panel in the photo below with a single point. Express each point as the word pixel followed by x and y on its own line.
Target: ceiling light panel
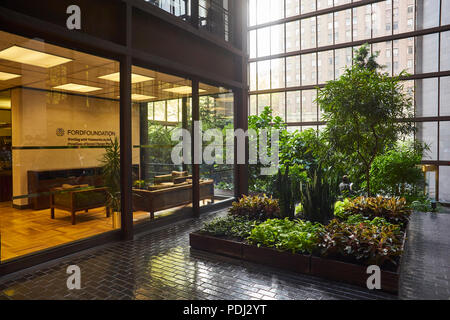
pixel 76 88
pixel 32 57
pixel 135 78
pixel 182 90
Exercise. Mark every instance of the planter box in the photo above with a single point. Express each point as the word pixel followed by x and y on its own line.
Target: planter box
pixel 351 273
pixel 216 245
pixel 306 264
pixel 354 273
pixel 279 259
pixel 267 256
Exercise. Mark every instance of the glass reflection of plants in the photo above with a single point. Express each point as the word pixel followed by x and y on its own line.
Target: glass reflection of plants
pixel 222 174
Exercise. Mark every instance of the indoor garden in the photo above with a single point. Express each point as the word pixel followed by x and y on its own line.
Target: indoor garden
pixel 344 193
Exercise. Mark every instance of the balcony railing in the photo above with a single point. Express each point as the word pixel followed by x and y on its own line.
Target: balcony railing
pixel 215 18
pixel 213 15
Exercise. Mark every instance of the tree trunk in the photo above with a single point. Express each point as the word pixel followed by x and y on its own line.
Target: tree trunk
pixel 368 182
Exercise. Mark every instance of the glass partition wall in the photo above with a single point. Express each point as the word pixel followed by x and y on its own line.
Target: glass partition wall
pixel 59 110
pixel 163 140
pixel 161 111
pixel 217 127
pixel 60 146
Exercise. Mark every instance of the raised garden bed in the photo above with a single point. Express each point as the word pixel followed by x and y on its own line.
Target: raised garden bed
pixel 306 264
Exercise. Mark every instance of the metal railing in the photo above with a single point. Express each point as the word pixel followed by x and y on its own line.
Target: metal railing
pixel 213 16
pixel 179 8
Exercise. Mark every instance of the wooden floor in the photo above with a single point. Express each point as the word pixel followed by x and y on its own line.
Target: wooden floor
pixel 26 231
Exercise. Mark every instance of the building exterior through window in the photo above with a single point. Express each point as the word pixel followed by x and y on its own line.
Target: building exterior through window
pixel 296 46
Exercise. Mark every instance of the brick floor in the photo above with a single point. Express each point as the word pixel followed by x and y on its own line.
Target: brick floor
pixel 426 265
pixel 160 265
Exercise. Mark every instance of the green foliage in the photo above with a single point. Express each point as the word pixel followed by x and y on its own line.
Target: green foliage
pixel 111 173
pixel 318 197
pixel 256 207
pixel 423 204
pixel 366 243
pixel 288 193
pixel 396 172
pixel 230 226
pixel 139 184
pixel 377 221
pixel 394 210
pixel 339 208
pixel 264 121
pixel 362 109
pixel 284 234
pixel 225 185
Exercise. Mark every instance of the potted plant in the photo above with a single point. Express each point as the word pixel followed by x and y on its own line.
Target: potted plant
pixel 111 176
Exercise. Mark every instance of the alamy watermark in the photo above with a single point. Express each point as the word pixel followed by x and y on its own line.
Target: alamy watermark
pixel 262 145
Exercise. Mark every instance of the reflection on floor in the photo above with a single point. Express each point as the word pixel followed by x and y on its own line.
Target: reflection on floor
pixel 27 231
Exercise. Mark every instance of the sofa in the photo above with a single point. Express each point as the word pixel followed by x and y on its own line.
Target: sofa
pixel 169 191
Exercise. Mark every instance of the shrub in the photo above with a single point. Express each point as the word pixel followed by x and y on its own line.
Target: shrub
pixel 378 221
pixel 339 208
pixel 256 207
pixel 285 234
pixel 394 210
pixel 397 172
pixel 229 226
pixel 364 242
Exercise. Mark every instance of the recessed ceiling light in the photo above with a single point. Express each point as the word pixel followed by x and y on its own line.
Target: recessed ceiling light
pixel 141 97
pixel 8 76
pixel 32 57
pixel 182 90
pixel 135 78
pixel 77 87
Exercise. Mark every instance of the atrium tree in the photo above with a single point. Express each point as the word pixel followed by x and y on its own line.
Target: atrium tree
pixel 362 110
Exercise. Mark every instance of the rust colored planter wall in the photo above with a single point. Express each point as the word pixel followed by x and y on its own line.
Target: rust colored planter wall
pixel 274 258
pixel 267 256
pixel 306 264
pixel 351 273
pixel 216 245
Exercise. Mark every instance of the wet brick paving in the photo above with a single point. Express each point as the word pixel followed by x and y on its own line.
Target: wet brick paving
pixel 426 266
pixel 160 265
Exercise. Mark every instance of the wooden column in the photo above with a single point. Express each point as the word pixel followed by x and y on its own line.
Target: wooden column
pixel 195 149
pixel 240 32
pixel 126 147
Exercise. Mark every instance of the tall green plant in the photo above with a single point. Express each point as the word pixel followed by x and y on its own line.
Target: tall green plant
pixel 362 109
pixel 111 173
pixel 318 197
pixel 288 193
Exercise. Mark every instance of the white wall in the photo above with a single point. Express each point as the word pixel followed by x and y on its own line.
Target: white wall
pixel 36 116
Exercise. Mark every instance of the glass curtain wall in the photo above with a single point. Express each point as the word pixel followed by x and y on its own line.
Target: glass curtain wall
pixel 318 45
pixel 59 116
